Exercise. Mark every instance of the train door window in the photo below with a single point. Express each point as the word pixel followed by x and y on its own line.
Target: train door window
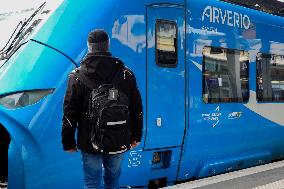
pixel 166 43
pixel 270 78
pixel 225 75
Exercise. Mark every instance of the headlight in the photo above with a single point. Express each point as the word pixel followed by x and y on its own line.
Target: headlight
pixel 23 98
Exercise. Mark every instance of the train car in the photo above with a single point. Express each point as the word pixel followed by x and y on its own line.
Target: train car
pixel 211 76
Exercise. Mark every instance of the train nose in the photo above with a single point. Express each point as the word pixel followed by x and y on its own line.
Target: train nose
pixel 32 86
pixel 24 154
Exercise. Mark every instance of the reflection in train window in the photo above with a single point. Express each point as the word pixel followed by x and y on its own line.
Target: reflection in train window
pixel 225 75
pixel 270 78
pixel 166 43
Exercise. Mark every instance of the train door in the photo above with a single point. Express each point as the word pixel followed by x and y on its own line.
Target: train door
pixel 165 76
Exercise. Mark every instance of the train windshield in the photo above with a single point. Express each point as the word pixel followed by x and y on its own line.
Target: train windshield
pixel 24 70
pixel 24 28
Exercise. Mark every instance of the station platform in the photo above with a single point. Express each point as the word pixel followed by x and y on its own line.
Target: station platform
pixel 269 176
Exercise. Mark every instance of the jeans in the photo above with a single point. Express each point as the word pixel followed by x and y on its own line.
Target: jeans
pixel 92 166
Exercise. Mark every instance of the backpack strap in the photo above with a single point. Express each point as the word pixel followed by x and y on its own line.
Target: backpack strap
pixel 118 73
pixel 116 77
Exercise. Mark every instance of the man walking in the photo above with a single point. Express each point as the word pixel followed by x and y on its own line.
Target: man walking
pixel 103 103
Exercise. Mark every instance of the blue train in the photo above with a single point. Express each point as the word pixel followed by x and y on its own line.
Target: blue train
pixel 211 76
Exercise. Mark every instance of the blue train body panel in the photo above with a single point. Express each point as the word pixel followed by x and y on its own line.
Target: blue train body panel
pixel 183 137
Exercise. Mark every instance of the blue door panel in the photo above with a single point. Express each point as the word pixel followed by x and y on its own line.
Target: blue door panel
pixel 165 86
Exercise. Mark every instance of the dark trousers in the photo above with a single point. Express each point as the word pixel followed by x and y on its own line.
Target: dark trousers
pixel 4 146
pixel 3 164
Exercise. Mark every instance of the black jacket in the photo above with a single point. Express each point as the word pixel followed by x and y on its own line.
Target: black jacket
pixel 98 68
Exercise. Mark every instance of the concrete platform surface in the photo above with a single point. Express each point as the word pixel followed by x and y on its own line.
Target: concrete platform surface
pixel 269 176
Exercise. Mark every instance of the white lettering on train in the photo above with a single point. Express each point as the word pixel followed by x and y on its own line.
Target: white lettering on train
pixel 226 17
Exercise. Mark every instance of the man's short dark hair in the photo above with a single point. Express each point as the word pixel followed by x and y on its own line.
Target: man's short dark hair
pixel 98 41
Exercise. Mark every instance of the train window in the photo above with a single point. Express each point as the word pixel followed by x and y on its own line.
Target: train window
pixel 270 78
pixel 225 75
pixel 166 43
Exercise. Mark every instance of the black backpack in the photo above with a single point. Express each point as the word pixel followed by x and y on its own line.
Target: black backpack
pixel 108 116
